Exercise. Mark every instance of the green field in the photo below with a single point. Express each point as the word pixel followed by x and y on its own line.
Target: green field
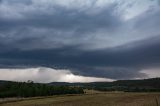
pixel 95 99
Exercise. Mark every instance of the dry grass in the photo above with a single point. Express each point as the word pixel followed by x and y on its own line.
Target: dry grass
pixel 95 99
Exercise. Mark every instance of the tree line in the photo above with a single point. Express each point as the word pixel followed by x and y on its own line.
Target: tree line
pixel 30 89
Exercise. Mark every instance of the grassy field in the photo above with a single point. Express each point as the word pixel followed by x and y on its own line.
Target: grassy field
pixel 93 98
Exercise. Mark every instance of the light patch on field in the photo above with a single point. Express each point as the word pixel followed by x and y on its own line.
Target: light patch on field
pixel 45 75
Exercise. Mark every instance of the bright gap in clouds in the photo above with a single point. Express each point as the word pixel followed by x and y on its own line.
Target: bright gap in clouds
pixel 152 72
pixel 45 75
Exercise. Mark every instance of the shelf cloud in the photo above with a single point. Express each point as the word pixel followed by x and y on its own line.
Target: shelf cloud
pixel 113 39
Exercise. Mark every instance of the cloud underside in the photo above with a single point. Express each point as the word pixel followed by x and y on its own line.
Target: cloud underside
pixel 45 75
pixel 95 38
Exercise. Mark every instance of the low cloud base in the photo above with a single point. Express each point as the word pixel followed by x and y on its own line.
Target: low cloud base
pixel 45 75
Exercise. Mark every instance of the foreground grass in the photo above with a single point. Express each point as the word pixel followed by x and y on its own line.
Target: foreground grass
pixel 95 99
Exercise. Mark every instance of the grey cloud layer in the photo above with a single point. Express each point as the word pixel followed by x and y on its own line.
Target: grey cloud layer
pixel 90 38
pixel 57 25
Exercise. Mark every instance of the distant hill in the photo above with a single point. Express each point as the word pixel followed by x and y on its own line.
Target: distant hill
pixel 148 85
pixel 3 82
pixel 154 82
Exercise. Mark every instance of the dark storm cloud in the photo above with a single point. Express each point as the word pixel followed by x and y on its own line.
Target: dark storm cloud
pixel 113 63
pixel 89 40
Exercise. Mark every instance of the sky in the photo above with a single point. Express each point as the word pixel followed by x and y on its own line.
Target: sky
pixel 79 40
